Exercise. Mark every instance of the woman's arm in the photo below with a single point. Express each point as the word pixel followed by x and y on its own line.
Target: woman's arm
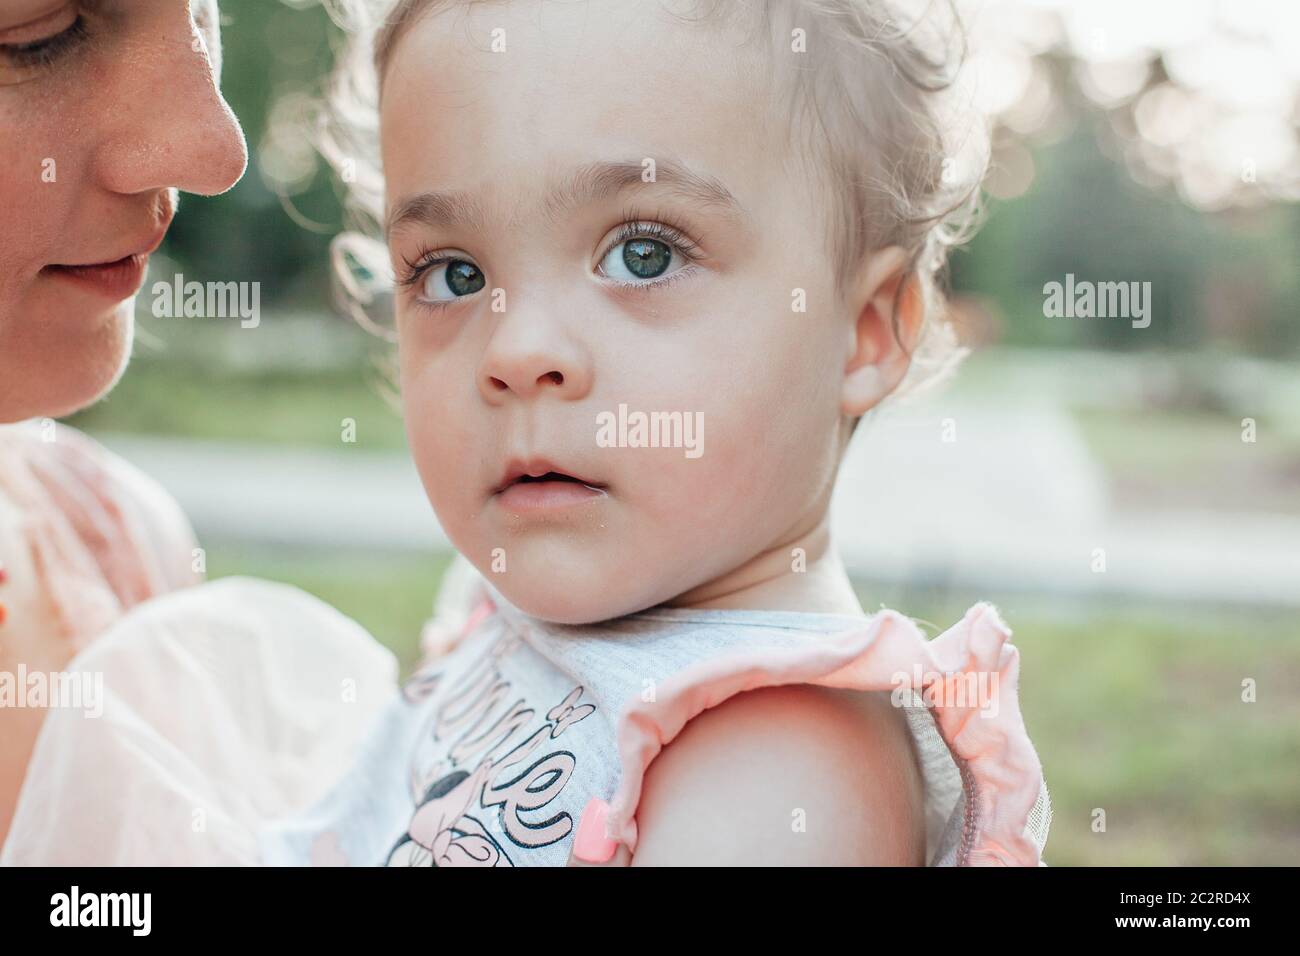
pixel 83 537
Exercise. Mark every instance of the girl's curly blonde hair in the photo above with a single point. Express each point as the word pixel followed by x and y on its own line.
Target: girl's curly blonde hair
pixel 890 136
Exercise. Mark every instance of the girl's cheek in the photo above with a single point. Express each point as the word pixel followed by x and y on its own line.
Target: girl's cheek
pixel 414 332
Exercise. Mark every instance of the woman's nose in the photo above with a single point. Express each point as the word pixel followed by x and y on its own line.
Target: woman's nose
pixel 172 129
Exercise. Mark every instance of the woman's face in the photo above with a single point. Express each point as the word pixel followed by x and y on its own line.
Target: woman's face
pixel 107 108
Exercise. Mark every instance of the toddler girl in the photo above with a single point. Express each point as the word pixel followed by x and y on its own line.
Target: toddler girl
pixel 653 261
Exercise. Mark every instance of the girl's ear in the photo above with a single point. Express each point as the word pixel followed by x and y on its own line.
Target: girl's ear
pixel 877 361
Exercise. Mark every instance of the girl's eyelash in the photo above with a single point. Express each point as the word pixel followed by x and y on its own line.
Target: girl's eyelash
pixel 415 269
pixel 45 52
pixel 656 285
pixel 660 226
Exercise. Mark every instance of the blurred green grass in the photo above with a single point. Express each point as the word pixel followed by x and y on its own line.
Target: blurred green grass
pixel 1135 709
pixel 1138 711
pixel 163 401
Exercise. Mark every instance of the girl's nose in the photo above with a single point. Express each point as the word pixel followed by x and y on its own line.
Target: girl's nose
pixel 526 359
pixel 531 374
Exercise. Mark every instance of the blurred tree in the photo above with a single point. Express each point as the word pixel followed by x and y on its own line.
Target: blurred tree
pixel 270 51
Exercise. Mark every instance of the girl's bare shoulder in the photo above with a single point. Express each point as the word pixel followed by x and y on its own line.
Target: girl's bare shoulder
pixel 787 775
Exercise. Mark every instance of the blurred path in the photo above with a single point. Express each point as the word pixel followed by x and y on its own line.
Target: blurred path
pixel 300 496
pixel 1014 502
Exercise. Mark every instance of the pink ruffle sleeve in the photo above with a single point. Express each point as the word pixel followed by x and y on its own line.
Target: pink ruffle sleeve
pixel 962 688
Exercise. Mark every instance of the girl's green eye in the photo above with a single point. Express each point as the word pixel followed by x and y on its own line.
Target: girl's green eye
pixel 451 279
pixel 464 278
pixel 647 258
pixel 638 259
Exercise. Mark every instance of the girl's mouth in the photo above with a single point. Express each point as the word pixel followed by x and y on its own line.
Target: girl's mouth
pixel 548 492
pixel 531 489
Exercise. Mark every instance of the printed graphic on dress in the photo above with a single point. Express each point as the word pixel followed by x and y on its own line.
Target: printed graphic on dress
pixel 487 796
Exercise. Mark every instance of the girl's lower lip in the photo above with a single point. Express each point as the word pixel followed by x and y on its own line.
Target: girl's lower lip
pixel 531 497
pixel 115 281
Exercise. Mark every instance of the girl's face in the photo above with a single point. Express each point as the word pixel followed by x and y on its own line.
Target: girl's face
pixel 592 206
pixel 106 108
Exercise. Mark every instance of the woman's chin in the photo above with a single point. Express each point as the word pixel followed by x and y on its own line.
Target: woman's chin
pixel 64 370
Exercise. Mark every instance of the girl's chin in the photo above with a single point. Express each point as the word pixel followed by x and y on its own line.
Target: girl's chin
pixel 562 601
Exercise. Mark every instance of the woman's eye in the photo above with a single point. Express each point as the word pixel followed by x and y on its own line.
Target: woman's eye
pixel 451 279
pixel 22 60
pixel 639 259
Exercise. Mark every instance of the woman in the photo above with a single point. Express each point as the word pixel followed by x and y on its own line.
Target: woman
pixel 84 537
pixel 92 161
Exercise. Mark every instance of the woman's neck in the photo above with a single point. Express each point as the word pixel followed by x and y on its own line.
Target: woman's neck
pixel 803 573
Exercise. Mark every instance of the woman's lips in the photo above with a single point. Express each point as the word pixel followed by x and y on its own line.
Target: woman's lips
pixel 119 280
pixel 535 497
pixel 115 281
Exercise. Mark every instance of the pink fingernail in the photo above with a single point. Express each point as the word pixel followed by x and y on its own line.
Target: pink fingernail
pixel 590 844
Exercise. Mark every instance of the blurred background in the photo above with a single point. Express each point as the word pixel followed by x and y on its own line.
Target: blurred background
pixel 1129 497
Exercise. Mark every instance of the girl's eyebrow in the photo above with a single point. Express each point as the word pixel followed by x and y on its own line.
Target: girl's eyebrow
pixel 591 183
